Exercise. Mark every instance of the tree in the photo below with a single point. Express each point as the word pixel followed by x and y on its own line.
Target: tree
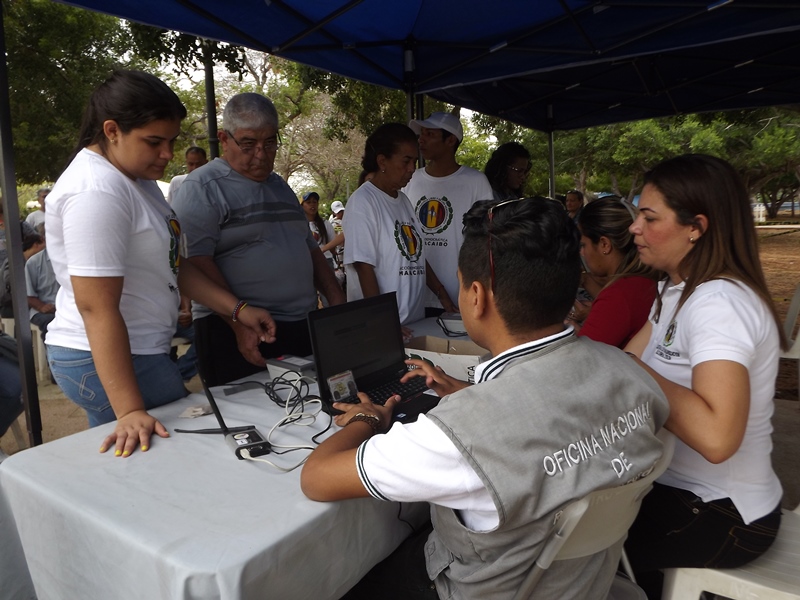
pixel 184 52
pixel 358 105
pixel 56 56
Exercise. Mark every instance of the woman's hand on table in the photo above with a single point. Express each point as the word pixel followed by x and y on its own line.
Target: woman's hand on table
pixel 132 430
pixel 435 378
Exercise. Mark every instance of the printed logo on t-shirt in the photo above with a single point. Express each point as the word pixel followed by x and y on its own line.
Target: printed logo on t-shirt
pixel 669 336
pixel 174 228
pixel 408 241
pixel 434 214
pixel 662 349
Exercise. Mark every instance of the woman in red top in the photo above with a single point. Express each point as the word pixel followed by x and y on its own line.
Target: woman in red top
pixel 622 306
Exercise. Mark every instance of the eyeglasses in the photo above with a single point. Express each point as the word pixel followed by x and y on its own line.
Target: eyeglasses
pixel 250 146
pixel 524 171
pixel 490 214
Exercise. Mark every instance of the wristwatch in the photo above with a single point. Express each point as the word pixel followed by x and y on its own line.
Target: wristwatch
pixel 374 421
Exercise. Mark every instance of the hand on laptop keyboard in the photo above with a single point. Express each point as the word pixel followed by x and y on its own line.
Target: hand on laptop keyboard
pixel 406 390
pixel 434 377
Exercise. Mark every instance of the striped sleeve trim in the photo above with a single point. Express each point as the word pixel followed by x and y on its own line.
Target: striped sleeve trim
pixel 362 475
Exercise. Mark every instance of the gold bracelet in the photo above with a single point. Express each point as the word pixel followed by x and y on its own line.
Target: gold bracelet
pixel 373 421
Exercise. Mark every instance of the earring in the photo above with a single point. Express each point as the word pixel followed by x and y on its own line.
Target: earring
pixel 606 252
pixel 691 240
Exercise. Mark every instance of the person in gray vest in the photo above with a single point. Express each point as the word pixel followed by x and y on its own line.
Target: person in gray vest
pixel 551 418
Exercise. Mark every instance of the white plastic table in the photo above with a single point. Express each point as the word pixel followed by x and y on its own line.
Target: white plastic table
pixel 185 520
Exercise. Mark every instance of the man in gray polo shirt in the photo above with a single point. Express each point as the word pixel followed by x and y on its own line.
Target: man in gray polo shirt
pixel 551 418
pixel 245 229
pixel 42 287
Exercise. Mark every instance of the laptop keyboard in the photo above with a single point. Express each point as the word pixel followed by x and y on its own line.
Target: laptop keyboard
pixel 379 395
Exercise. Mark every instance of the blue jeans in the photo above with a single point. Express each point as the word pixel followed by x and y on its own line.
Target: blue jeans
pixel 187 363
pixel 158 378
pixel 10 393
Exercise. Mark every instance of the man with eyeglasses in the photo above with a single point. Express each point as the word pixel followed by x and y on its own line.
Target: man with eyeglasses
pixel 440 194
pixel 245 229
pixel 498 460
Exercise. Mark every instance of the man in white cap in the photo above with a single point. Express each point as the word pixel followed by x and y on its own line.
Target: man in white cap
pixel 337 211
pixel 440 194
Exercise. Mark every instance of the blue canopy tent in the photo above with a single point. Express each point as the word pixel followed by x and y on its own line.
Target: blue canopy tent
pixel 548 64
pixel 459 49
pixel 538 64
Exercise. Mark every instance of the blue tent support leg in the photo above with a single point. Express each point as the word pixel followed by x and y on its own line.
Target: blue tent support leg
pixel 30 391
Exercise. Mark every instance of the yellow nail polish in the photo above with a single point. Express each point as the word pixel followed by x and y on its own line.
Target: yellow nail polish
pixel 144 448
pixel 117 453
pixel 126 453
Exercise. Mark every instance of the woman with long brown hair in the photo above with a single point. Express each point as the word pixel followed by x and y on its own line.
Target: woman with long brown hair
pixel 712 342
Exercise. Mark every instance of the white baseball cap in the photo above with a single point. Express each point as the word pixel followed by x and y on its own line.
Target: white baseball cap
pixel 336 206
pixel 439 120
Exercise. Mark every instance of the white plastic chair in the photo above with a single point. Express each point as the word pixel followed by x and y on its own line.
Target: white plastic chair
pixel 39 351
pixel 775 575
pixel 594 523
pixel 7 325
pixel 793 352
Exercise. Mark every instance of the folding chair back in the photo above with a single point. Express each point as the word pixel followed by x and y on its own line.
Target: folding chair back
pixel 595 522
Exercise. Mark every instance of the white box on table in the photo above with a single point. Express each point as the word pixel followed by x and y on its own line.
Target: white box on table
pixel 457 358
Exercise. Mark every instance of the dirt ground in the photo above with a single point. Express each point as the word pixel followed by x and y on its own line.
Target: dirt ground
pixel 780 257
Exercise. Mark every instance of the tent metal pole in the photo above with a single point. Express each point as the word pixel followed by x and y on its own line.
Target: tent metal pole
pixel 211 104
pixel 551 156
pixel 8 184
pixel 420 111
pixel 551 151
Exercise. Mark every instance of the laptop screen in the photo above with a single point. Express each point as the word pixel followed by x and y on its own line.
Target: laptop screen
pixel 363 337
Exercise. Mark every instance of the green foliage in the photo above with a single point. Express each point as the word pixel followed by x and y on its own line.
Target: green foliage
pixel 183 51
pixel 475 149
pixel 56 56
pixel 357 105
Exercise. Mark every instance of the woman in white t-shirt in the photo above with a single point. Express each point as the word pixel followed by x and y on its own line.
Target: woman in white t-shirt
pixel 384 250
pixel 114 245
pixel 712 342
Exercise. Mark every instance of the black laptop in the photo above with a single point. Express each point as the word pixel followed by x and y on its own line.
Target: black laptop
pixel 364 337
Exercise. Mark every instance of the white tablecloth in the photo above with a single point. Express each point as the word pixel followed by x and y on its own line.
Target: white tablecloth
pixel 185 520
